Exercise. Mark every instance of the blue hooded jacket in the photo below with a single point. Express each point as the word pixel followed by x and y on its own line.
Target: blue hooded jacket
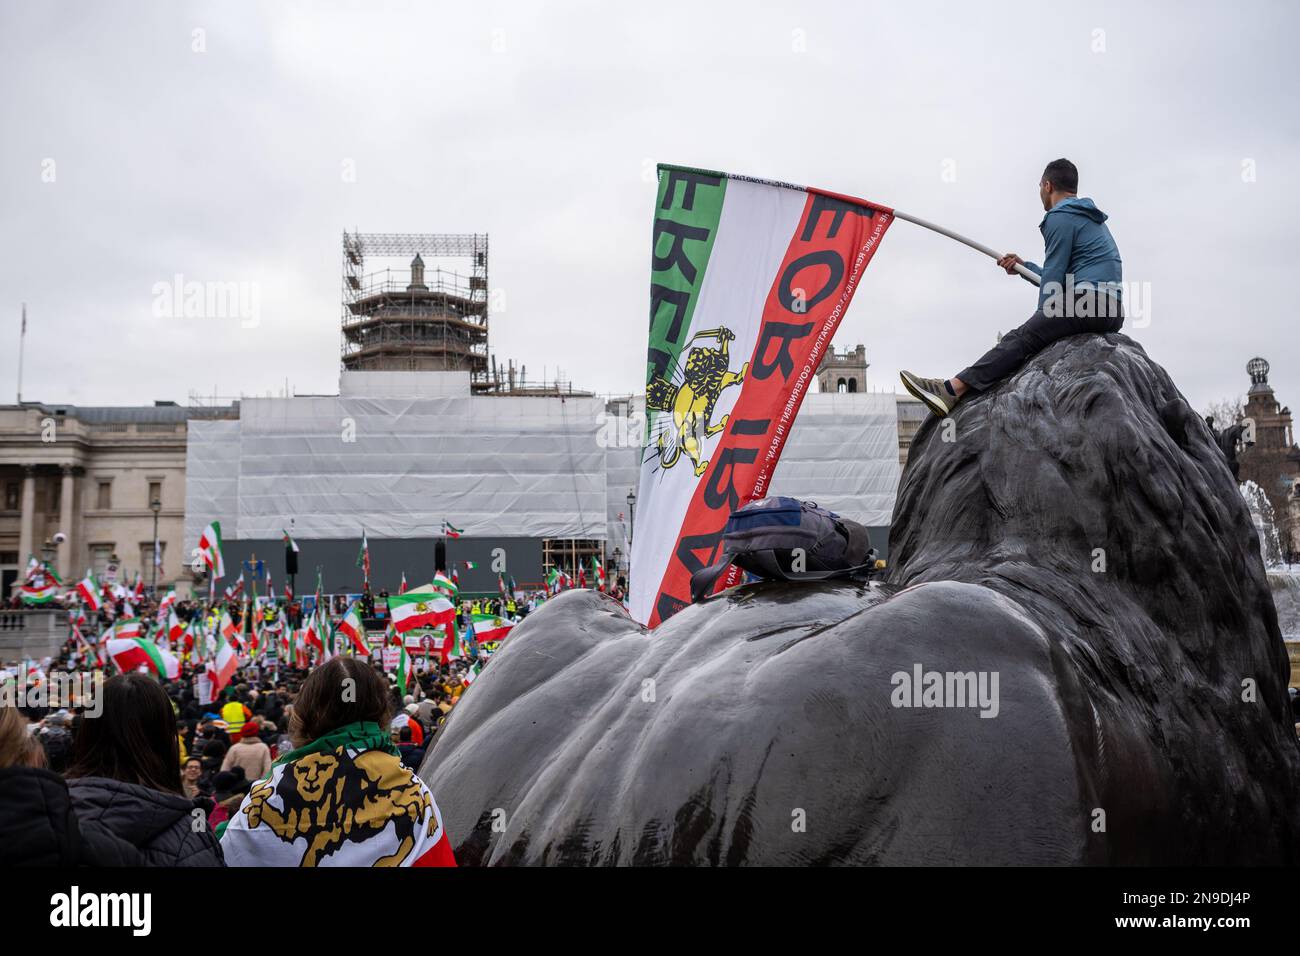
pixel 1078 244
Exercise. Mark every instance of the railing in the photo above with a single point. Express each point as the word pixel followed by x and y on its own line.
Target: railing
pixel 434 282
pixel 23 619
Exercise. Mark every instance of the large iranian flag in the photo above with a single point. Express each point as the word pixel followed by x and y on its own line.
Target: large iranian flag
pixel 420 607
pixel 129 653
pixel 749 280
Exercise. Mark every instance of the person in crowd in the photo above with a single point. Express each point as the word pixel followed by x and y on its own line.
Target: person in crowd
pixel 342 796
pixel 190 777
pixel 125 777
pixel 235 713
pixel 412 754
pixel 37 824
pixel 405 721
pixel 229 789
pixel 249 753
pixel 55 736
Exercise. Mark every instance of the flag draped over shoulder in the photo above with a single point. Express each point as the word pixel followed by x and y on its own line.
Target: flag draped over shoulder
pixel 749 280
pixel 345 799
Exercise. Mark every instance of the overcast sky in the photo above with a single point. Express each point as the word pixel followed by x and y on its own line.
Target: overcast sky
pixel 129 156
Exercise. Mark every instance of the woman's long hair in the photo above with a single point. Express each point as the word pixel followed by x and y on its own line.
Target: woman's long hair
pixel 18 747
pixel 341 691
pixel 133 739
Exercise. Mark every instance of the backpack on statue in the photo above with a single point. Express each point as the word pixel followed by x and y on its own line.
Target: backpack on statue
pixel 785 539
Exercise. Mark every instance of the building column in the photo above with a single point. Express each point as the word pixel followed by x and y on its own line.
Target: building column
pixel 65 521
pixel 27 526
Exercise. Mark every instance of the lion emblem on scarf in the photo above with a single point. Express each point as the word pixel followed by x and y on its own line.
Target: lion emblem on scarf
pixel 332 800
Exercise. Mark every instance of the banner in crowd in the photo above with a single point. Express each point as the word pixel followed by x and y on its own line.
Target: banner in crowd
pixel 749 280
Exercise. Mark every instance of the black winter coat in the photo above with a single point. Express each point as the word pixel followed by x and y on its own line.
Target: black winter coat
pixel 161 825
pixel 39 828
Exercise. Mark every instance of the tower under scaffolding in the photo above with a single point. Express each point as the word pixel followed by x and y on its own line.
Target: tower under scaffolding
pixel 413 318
pixel 416 318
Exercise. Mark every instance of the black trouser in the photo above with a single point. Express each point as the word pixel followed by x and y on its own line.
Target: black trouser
pixel 1100 313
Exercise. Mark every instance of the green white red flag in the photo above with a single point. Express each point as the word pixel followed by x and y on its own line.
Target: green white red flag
pixel 88 591
pixel 312 636
pixel 38 594
pixel 420 607
pixel 363 558
pixel 222 666
pixel 355 631
pixel 131 653
pixel 491 628
pixel 230 631
pixel 749 281
pixel 446 586
pixel 210 550
pixel 175 627
pixel 404 672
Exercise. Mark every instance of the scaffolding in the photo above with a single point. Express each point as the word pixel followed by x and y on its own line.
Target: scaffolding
pixel 416 319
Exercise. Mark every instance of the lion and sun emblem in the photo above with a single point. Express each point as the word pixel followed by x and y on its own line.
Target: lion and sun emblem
pixel 330 800
pixel 691 402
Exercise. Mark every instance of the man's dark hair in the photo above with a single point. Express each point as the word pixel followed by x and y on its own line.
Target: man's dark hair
pixel 1063 175
pixel 405 736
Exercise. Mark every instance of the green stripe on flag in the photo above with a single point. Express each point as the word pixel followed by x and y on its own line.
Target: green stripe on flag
pixel 687 211
pixel 155 658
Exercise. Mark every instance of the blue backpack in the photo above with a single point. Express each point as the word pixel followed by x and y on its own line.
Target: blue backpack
pixel 785 539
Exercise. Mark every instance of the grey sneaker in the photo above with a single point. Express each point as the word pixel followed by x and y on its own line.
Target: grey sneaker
pixel 930 391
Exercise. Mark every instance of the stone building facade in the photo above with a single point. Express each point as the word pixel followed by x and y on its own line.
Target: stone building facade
pixel 1273 461
pixel 843 371
pixel 78 485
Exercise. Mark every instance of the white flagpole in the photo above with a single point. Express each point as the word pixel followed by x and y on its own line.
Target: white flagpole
pixel 22 341
pixel 964 241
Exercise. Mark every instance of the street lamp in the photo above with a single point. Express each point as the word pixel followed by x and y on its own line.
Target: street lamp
pixel 631 513
pixel 155 506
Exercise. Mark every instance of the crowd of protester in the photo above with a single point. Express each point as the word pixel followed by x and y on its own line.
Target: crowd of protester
pixel 157 776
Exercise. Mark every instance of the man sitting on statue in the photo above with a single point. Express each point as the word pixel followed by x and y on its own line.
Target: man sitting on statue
pixel 1079 291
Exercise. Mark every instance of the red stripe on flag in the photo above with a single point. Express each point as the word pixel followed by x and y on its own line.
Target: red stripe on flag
pixel 440 854
pixel 827 255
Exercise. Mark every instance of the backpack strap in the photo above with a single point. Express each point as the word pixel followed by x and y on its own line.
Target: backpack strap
pixel 703 580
